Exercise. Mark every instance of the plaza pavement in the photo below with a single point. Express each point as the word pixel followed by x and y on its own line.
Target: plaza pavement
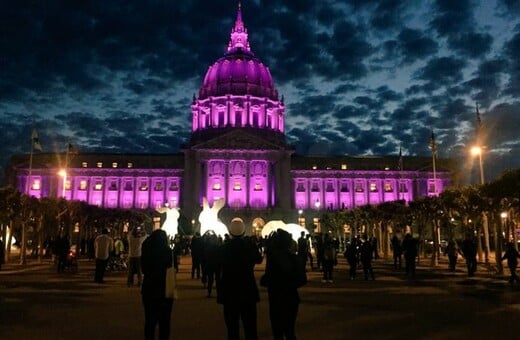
pixel 37 303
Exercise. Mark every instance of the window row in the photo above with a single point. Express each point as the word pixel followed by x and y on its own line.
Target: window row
pixel 358 187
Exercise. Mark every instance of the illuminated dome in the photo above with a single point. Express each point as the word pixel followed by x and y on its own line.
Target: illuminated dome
pixel 237 92
pixel 238 72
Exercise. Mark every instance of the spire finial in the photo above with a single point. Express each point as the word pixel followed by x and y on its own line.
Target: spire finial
pixel 239 33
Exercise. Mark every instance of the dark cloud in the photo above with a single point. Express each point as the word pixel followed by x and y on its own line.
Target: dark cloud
pixel 414 45
pixel 472 45
pixel 442 71
pixel 452 17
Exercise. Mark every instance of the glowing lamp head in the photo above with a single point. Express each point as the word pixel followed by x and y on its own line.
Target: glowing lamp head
pixel 476 150
pixel 503 214
pixel 62 173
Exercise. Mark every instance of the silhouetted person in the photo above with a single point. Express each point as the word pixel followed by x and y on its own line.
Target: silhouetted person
pixel 236 284
pixel 397 251
pixel 156 258
pixel 511 255
pixel 62 247
pixel 452 251
pixel 366 253
pixel 303 249
pixel 2 254
pixel 211 252
pixel 374 242
pixel 196 255
pixel 469 250
pixel 329 258
pixel 284 274
pixel 352 258
pixel 409 247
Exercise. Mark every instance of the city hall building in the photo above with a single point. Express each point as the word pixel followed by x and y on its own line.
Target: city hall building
pixel 237 152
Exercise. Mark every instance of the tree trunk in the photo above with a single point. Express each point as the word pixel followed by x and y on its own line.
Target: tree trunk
pixel 498 246
pixel 23 248
pixel 485 227
pixel 435 252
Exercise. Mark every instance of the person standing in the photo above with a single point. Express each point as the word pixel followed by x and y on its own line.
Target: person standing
pixel 284 274
pixel 236 285
pixel 303 249
pixel 135 242
pixel 453 253
pixel 397 251
pixel 156 258
pixel 329 258
pixel 352 258
pixel 366 253
pixel 511 255
pixel 196 255
pixel 211 249
pixel 469 250
pixel 103 246
pixel 409 247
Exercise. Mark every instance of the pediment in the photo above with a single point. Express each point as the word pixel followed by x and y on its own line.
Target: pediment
pixel 238 140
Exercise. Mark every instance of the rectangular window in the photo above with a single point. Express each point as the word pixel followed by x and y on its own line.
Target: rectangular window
pixel 344 187
pixel 143 186
pixel 99 164
pixel 388 187
pixel 216 186
pixel 173 186
pixel 431 187
pixel 343 166
pixel 330 187
pixel 300 188
pixel 237 187
pixel 98 186
pixel 114 164
pixel 36 184
pixel 373 187
pixel 113 186
pixel 315 187
pixel 130 165
pixel 83 185
pixel 84 164
pixel 158 186
pixel 314 167
pixel 128 186
pixel 67 185
pixel 258 187
pixel 358 187
pixel 402 187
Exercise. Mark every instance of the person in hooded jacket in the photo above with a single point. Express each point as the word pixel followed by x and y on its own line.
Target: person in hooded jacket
pixel 284 274
pixel 236 284
pixel 156 258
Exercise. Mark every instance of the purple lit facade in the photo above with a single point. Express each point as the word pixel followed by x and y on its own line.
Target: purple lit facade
pixel 237 151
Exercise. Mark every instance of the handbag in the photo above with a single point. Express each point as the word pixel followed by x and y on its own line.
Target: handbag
pixel 171 284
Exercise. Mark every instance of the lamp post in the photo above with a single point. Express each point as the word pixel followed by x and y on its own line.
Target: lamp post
pixel 477 151
pixel 300 212
pixel 63 173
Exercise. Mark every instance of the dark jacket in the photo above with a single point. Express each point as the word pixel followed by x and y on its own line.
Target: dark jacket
pixel 156 257
pixel 284 274
pixel 236 282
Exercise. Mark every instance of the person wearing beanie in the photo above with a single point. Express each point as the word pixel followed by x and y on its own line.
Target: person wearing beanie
pixel 236 284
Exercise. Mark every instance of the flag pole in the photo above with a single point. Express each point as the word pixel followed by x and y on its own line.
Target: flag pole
pixel 28 183
pixel 434 152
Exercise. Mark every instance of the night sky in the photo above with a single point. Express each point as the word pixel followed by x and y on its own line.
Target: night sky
pixel 359 77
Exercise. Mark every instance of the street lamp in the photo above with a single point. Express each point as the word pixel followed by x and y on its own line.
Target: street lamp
pixel 477 151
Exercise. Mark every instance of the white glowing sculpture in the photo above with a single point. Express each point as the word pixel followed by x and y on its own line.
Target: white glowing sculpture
pixel 292 228
pixel 208 218
pixel 171 224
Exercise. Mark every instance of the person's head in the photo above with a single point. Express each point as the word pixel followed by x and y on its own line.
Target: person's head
pixel 104 231
pixel 160 238
pixel 302 234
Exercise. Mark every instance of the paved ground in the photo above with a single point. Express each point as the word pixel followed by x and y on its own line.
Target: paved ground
pixel 37 303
